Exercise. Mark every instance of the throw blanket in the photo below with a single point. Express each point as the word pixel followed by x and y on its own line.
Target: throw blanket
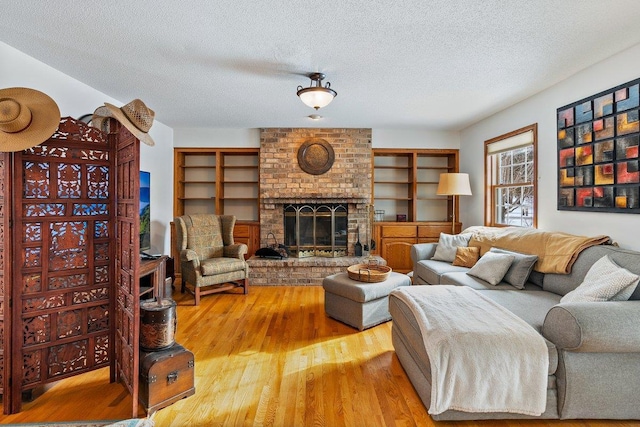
pixel 556 251
pixel 483 357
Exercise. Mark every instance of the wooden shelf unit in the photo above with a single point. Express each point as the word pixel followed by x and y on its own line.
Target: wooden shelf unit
pixel 217 181
pixel 221 181
pixel 404 182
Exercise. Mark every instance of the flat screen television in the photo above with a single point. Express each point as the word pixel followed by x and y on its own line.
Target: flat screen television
pixel 145 216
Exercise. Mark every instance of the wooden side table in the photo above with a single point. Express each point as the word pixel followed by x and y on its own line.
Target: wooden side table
pixel 157 270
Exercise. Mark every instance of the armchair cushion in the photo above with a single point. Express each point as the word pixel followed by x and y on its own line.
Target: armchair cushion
pixel 206 239
pixel 214 266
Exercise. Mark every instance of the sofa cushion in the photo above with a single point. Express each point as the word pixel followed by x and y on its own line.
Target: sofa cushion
pixel 463 279
pixel 466 257
pixel 605 281
pixel 532 307
pixel 447 244
pixel 492 267
pixel 520 268
pixel 430 271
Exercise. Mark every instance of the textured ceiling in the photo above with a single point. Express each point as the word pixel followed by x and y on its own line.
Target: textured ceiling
pixel 435 64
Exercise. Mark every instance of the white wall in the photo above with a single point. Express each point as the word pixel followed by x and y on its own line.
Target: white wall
pixel 414 138
pixel 208 137
pixel 76 99
pixel 541 109
pixel 381 138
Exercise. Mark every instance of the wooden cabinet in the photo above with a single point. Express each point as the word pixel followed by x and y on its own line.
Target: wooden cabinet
pixel 249 234
pixel 153 274
pixel 397 253
pixel 395 240
pixel 430 233
pixel 395 245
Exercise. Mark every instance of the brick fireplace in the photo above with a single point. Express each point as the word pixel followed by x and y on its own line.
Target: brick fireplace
pixel 283 182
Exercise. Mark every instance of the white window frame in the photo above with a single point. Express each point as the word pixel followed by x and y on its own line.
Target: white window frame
pixel 512 141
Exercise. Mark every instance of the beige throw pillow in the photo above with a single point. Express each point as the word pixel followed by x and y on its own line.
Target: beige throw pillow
pixel 466 257
pixel 605 281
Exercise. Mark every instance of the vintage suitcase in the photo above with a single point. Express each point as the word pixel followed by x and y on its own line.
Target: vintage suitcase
pixel 166 376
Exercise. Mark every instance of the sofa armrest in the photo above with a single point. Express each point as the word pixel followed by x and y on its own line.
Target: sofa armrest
pixel 421 251
pixel 235 251
pixel 594 327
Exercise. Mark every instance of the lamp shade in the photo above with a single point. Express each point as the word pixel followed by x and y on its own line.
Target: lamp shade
pixel 316 97
pixel 454 184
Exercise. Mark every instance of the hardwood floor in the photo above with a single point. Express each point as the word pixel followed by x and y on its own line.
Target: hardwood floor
pixel 269 358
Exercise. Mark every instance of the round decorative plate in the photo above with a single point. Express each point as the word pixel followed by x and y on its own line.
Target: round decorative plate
pixel 315 156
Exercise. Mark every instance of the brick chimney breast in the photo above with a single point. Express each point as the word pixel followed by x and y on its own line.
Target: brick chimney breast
pixel 283 181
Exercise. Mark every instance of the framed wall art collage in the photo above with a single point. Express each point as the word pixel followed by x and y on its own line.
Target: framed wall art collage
pixel 598 152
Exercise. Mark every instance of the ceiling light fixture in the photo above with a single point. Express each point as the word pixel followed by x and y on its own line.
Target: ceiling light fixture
pixel 317 96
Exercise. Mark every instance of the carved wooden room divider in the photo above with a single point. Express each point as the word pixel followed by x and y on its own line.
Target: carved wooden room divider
pixel 127 297
pixel 62 271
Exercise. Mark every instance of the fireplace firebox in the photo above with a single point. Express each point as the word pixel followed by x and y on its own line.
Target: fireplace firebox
pixel 316 230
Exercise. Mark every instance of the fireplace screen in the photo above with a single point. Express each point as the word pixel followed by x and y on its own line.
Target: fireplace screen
pixel 316 230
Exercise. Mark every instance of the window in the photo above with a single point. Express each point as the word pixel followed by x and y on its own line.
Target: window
pixel 510 178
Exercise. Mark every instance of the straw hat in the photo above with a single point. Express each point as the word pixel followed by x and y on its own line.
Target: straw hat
pixel 135 116
pixel 99 118
pixel 27 118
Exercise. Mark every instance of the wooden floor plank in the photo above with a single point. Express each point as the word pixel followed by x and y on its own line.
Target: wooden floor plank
pixel 269 358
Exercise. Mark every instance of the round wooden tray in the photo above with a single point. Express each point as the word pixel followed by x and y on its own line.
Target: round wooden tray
pixel 370 273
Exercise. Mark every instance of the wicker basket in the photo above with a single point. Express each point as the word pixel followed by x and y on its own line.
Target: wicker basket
pixel 370 273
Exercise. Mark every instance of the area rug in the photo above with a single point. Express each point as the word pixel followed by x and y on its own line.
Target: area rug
pixel 137 422
pixel 66 424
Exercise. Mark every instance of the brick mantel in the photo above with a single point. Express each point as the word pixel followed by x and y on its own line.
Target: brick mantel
pixel 283 181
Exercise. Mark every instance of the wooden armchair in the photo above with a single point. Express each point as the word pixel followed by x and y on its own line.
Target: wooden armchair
pixel 208 256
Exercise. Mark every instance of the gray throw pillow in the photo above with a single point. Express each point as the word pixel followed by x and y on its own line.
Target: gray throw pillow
pixel 491 267
pixel 520 269
pixel 447 245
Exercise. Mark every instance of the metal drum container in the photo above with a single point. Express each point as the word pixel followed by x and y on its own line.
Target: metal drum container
pixel 157 324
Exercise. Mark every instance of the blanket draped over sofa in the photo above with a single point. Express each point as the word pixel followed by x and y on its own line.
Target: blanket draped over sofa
pixel 483 357
pixel 556 251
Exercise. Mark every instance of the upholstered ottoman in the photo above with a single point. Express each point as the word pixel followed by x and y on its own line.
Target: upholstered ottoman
pixel 360 304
